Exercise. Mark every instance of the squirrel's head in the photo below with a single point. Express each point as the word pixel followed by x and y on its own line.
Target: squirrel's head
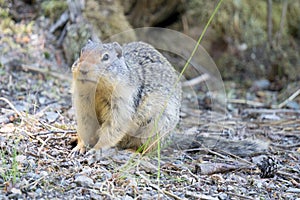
pixel 99 60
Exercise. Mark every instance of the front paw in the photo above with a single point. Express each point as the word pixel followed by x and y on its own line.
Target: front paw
pixel 79 149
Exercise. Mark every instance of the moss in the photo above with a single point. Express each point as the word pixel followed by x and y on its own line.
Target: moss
pixel 47 55
pixel 293 19
pixel 4 12
pixel 6 22
pixel 54 8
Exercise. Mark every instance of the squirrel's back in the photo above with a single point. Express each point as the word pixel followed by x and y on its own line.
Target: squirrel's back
pixel 151 68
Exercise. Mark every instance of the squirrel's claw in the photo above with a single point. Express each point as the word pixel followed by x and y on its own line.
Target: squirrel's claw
pixel 79 149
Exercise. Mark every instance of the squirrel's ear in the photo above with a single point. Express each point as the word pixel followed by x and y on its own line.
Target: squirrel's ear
pixel 118 49
pixel 89 41
pixel 86 46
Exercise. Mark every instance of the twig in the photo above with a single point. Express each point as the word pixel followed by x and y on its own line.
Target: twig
pixel 5 118
pixel 60 22
pixel 46 71
pixel 185 24
pixel 75 9
pixel 34 183
pixel 12 107
pixel 250 110
pixel 21 129
pixel 247 102
pixel 170 194
pixel 289 175
pixel 32 154
pixel 42 111
pixel 269 21
pixel 193 175
pixel 220 155
pixel 163 191
pixel 53 132
pixel 195 81
pixel 282 19
pixel 49 127
pixel 200 196
pixel 286 146
pixel 43 144
pixel 240 159
pixel 293 96
pixel 62 36
pixel 206 150
pixel 240 196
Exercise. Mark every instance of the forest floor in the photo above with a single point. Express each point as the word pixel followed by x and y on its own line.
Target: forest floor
pixel 37 127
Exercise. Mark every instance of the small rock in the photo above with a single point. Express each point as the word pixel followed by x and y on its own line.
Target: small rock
pixel 251 192
pixel 21 159
pixel 259 184
pixel 178 162
pixel 243 47
pixel 222 196
pixel 127 198
pixel 54 152
pixel 39 191
pixel 217 178
pixel 86 170
pixel 8 128
pixel 84 180
pixel 44 173
pixel 96 196
pixel 51 116
pixel 258 159
pixel 16 191
pixel 24 182
pixel 42 100
pixel 33 175
pixel 183 115
pixel 260 85
pixel 230 188
pixel 2 141
pixel 31 162
pixel 13 196
pixel 293 105
pixel 98 184
pixel 294 190
pixel 272 117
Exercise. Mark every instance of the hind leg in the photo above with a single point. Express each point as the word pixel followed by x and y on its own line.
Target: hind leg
pixel 153 121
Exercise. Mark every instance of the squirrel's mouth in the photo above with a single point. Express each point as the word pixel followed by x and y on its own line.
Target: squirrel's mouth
pixel 83 80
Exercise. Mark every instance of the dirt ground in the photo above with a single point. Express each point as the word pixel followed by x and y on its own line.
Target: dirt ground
pixel 37 127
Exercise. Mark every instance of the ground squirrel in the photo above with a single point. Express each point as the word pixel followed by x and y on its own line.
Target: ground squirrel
pixel 129 96
pixel 131 90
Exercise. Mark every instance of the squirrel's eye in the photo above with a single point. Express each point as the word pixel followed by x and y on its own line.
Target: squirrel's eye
pixel 105 57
